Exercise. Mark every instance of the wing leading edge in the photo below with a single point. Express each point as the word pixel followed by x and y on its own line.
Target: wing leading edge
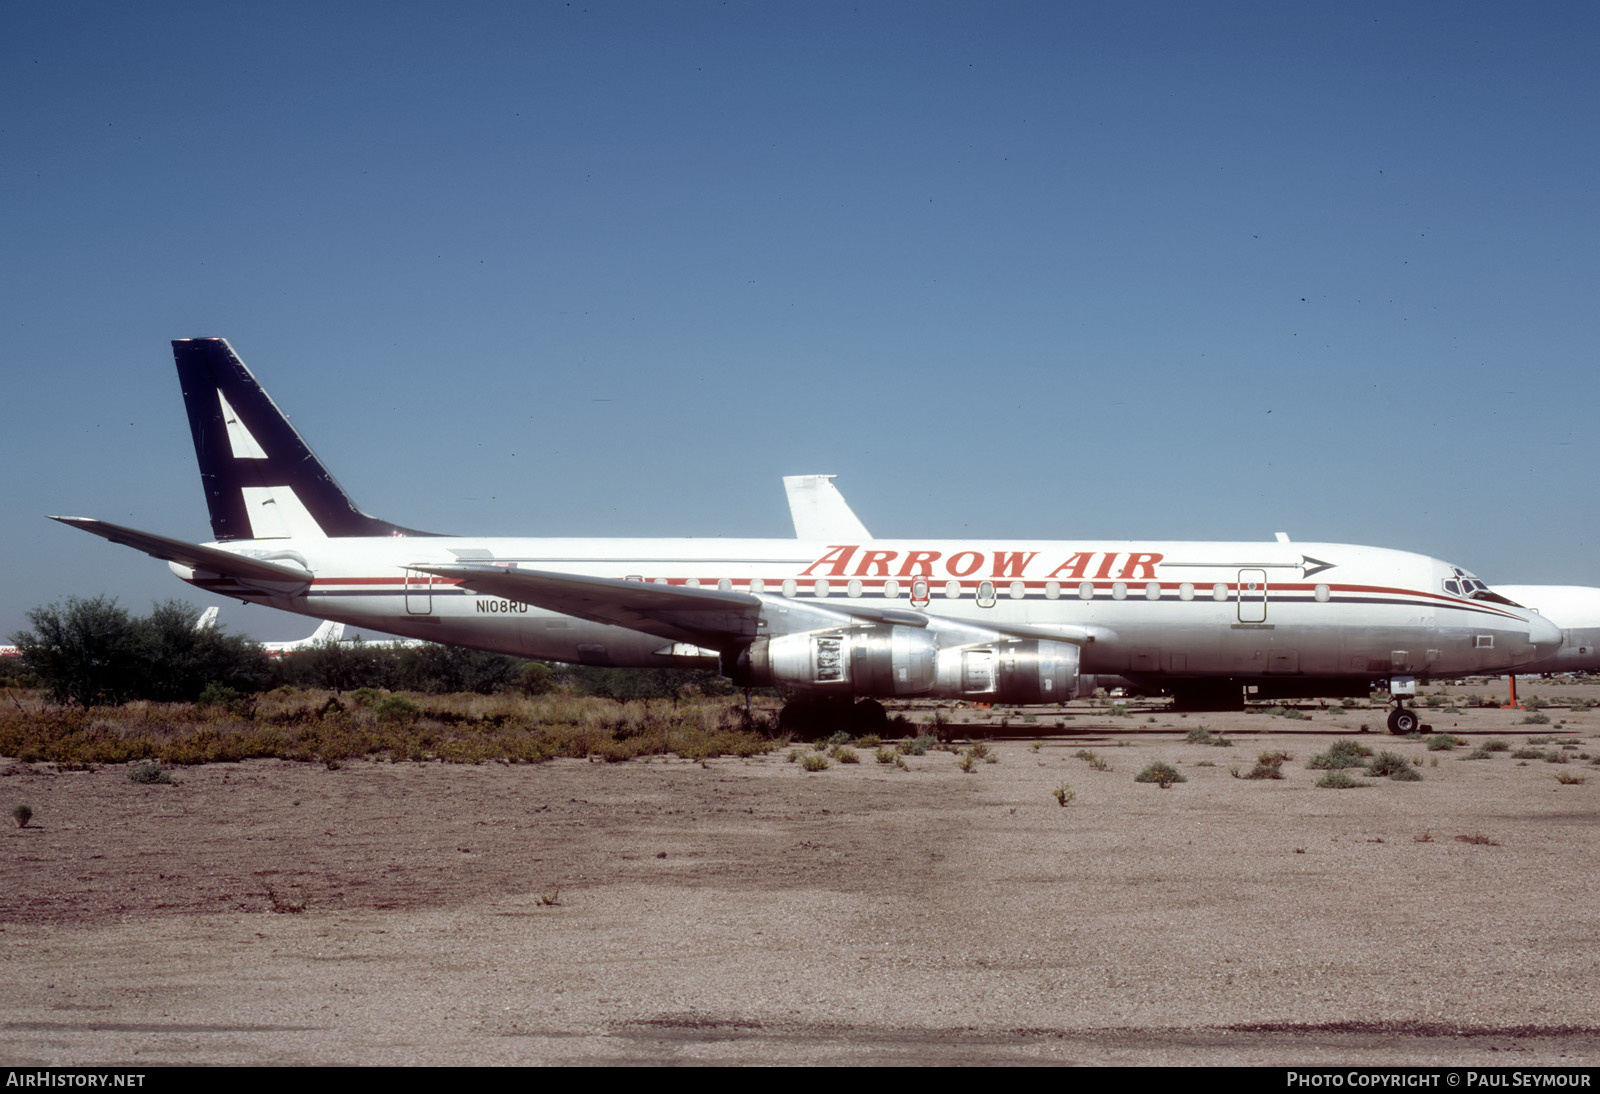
pixel 704 617
pixel 714 618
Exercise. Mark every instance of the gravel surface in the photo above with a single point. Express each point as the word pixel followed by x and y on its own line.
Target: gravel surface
pixel 744 911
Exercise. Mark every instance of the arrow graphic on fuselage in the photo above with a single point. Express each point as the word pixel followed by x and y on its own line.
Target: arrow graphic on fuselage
pixel 1307 565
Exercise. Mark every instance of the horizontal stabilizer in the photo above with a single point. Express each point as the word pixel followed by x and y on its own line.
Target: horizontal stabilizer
pixel 268 576
pixel 705 617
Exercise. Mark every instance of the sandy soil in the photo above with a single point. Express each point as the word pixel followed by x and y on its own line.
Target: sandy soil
pixel 744 911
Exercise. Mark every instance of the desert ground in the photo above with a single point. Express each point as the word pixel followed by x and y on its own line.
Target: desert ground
pixel 745 911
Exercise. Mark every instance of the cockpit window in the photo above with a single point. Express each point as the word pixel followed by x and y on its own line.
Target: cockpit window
pixel 1484 593
pixel 1465 585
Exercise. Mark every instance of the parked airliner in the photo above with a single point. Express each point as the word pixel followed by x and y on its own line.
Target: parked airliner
pixel 328 633
pixel 819 511
pixel 841 614
pixel 1575 609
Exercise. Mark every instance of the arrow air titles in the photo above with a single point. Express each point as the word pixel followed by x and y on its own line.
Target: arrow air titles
pixel 850 560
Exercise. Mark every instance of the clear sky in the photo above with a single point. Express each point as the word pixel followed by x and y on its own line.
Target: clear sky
pixel 1053 270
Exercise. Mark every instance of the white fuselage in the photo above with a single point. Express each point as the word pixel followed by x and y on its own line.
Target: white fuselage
pixel 1154 610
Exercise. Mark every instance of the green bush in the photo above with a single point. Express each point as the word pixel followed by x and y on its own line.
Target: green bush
pixel 91 652
pixel 396 708
pixel 1269 765
pixel 1093 759
pixel 1340 755
pixel 1337 780
pixel 1394 766
pixel 1161 773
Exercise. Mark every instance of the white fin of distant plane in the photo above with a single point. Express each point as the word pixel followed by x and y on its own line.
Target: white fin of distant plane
pixel 328 632
pixel 820 512
pixel 208 619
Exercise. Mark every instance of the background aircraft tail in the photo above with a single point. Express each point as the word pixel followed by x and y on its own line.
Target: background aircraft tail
pixel 261 480
pixel 820 512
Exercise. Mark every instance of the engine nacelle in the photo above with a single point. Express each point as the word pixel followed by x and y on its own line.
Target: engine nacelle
pixel 879 660
pixel 888 661
pixel 1011 670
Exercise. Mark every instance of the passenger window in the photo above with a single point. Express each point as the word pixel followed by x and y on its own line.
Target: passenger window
pixel 986 594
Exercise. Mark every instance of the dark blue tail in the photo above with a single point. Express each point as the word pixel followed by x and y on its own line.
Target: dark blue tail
pixel 261 480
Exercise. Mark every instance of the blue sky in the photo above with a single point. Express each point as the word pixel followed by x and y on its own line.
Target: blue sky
pixel 1202 271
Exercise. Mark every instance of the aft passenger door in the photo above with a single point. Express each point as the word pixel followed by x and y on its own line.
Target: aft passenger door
pixel 1252 596
pixel 419 593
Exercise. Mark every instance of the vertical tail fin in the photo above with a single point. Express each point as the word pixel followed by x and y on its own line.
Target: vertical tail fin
pixel 328 632
pixel 261 480
pixel 820 512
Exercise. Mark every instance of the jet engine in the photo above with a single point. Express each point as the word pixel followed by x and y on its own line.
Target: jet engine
pixel 879 660
pixel 887 661
pixel 1011 670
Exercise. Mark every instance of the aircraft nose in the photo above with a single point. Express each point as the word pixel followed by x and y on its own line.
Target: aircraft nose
pixel 1544 635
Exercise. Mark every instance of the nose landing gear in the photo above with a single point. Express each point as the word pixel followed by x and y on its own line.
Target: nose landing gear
pixel 1403 721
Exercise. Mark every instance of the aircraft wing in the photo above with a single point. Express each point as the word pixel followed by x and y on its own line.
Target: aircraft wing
pixel 704 617
pixel 273 576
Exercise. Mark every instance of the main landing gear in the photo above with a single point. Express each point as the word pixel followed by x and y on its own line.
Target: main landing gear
pixel 814 716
